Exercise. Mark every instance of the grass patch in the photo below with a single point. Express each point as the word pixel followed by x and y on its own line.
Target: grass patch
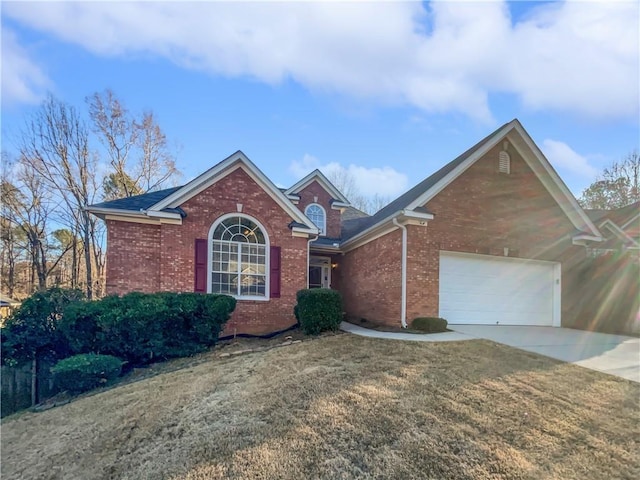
pixel 343 407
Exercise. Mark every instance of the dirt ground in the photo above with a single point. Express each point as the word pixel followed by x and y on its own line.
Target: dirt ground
pixel 342 407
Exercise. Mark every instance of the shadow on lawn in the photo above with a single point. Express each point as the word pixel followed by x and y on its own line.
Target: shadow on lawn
pixel 406 410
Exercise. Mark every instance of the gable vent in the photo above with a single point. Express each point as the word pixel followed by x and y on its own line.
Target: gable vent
pixel 504 162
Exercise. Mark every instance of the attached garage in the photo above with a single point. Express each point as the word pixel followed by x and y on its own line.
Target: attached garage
pixel 490 290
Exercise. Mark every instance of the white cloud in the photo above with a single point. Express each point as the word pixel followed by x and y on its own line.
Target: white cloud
pixel 578 57
pixel 383 181
pixel 22 80
pixel 563 157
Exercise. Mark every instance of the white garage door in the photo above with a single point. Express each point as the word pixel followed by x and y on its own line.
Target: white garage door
pixel 489 290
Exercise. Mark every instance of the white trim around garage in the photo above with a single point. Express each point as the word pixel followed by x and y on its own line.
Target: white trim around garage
pixel 493 290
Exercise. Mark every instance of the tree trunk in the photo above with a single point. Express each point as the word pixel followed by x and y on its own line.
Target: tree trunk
pixel 87 253
pixel 74 262
pixel 34 381
pixel 42 268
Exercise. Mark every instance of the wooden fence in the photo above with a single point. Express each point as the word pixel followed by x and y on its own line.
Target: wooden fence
pixel 16 385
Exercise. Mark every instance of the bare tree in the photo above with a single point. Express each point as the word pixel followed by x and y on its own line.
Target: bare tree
pixel 156 165
pixel 137 149
pixel 55 145
pixel 25 204
pixel 619 185
pixel 345 182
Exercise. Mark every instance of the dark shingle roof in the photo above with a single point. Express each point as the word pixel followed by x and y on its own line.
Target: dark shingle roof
pixel 137 202
pixel 353 227
pixel 619 215
pixel 349 213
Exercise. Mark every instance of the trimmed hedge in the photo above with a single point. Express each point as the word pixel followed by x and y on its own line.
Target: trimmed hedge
pixel 31 331
pixel 86 371
pixel 429 324
pixel 142 327
pixel 318 310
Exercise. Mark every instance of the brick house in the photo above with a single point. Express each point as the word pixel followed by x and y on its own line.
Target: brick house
pixel 491 237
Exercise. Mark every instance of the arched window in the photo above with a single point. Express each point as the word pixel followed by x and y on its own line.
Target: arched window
pixel 316 214
pixel 239 248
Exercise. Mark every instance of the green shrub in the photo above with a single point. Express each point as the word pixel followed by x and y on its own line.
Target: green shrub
pixel 86 371
pixel 318 310
pixel 142 327
pixel 32 331
pixel 429 324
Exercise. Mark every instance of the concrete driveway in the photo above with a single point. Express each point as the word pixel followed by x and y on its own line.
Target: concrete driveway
pixel 613 354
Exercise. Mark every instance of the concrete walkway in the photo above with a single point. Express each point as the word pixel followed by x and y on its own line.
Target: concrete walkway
pixel 416 337
pixel 617 355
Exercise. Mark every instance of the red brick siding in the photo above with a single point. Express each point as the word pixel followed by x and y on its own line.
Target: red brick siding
pixel 371 280
pixel 170 256
pixel 483 211
pixel 314 189
pixel 133 257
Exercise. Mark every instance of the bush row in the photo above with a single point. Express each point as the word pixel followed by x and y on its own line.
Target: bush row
pixel 136 327
pixel 140 327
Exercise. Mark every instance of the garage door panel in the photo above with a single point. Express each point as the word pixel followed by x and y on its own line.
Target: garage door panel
pixel 479 289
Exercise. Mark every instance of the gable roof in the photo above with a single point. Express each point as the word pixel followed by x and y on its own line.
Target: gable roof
pixel 324 182
pixel 626 240
pixel 420 194
pixel 622 216
pixel 166 203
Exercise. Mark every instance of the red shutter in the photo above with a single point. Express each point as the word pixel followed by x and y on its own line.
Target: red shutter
pixel 200 277
pixel 274 277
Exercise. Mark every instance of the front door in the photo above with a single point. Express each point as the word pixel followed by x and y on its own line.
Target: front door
pixel 319 272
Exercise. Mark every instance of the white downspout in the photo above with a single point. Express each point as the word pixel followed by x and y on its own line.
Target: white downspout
pixel 403 307
pixel 309 255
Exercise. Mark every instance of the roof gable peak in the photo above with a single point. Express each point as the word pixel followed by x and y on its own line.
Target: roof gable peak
pixel 221 170
pixel 324 182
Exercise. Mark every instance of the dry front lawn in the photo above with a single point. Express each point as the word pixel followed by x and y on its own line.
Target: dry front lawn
pixel 343 407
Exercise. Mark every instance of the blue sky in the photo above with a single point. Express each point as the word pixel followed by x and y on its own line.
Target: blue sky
pixel 389 91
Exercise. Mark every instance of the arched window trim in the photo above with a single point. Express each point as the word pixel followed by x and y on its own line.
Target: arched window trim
pixel 267 265
pixel 323 228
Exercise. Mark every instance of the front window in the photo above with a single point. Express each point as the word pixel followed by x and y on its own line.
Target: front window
pixel 239 258
pixel 316 214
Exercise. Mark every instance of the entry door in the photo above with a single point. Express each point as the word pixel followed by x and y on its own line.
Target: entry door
pixel 319 272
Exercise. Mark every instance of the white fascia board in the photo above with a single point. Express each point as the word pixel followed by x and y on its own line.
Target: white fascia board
pixel 155 214
pixel 116 211
pixel 381 231
pixel 325 248
pixel 456 172
pixel 583 239
pixel 406 213
pixel 362 237
pixel 323 181
pixel 618 232
pixel 631 220
pixel 221 170
pixel 339 205
pixel 557 188
pixel 417 215
pixel 308 231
